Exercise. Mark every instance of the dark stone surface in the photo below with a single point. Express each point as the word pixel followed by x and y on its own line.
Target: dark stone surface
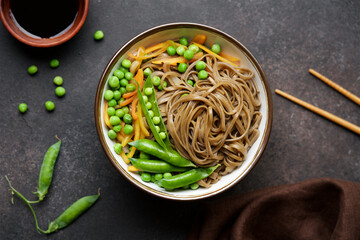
pixel 286 37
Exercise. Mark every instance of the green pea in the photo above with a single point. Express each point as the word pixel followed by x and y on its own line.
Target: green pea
pixel 146 99
pixel 32 69
pixel 164 84
pixel 126 63
pixel 58 80
pixel 112 103
pixel 216 48
pixel 125 109
pixel 162 135
pixel 183 41
pixel 54 63
pixel 156 81
pixel 115 120
pixel 202 74
pixel 128 76
pixel 119 74
pixel 111 111
pixel 114 82
pixel 153 178
pixel 98 35
pixel 49 105
pixel 118 148
pixel 167 175
pixel 194 186
pixel 130 87
pixel 147 72
pixel 120 113
pixel 156 120
pixel 148 105
pixel 151 113
pixel 112 134
pixel 190 82
pixel 171 50
pixel 117 95
pixel 122 89
pixel 146 177
pixel 184 94
pixel 182 67
pixel 193 48
pixel 108 95
pixel 157 128
pixel 148 91
pixel 117 128
pixel 124 70
pixel 180 50
pixel 158 176
pixel 60 91
pixel 22 107
pixel 143 155
pixel 128 129
pixel 124 82
pixel 188 54
pixel 127 118
pixel 200 65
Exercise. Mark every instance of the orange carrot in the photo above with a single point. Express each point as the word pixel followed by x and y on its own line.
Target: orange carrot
pixel 144 131
pixel 161 50
pixel 216 55
pixel 200 38
pixel 132 168
pixel 133 108
pixel 139 79
pixel 137 136
pixel 106 116
pixel 171 61
pixel 228 57
pixel 197 56
pixel 127 101
pixel 124 157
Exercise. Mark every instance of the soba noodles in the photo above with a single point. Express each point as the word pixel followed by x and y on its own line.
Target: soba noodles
pixel 217 120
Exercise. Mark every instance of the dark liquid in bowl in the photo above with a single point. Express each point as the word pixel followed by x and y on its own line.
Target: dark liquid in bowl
pixel 44 18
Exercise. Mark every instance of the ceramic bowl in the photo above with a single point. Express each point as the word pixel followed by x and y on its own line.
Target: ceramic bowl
pixel 229 45
pixel 29 39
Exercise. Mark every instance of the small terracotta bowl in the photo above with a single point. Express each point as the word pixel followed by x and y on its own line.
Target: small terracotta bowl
pixel 8 21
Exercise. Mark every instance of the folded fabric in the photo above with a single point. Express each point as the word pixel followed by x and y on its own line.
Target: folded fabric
pixel 315 209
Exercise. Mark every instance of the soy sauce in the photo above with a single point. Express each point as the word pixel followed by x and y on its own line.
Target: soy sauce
pixel 44 18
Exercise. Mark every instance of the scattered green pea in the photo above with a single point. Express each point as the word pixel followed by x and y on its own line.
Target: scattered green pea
pixel 112 134
pixel 111 111
pixel 117 95
pixel 126 63
pixel 58 80
pixel 128 76
pixel 125 109
pixel 112 103
pixel 146 177
pixel 162 135
pixel 22 107
pixel 216 48
pixel 188 54
pixel 151 113
pixel 183 41
pixel 157 128
pixel 128 129
pixel 200 65
pixel 130 87
pixel 60 91
pixel 114 81
pixel 124 82
pixel 158 176
pixel 164 85
pixel 119 74
pixel 202 74
pixel 122 89
pixel 148 91
pixel 171 50
pixel 190 82
pixel 145 98
pixel 118 148
pixel 180 50
pixel 148 105
pixel 147 72
pixel 49 105
pixel 156 80
pixel 98 35
pixel 115 120
pixel 156 120
pixel 143 155
pixel 193 48
pixel 54 63
pixel 194 186
pixel 120 113
pixel 182 67
pixel 127 118
pixel 32 69
pixel 167 175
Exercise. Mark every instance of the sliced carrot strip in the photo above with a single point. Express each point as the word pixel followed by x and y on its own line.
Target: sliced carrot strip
pixel 127 101
pixel 216 55
pixel 141 121
pixel 106 116
pixel 119 137
pixel 230 58
pixel 200 39
pixel 137 136
pixel 172 61
pixel 129 94
pixel 127 139
pixel 124 157
pixel 161 50
pixel 197 56
pixel 133 108
pixel 154 47
pixel 132 168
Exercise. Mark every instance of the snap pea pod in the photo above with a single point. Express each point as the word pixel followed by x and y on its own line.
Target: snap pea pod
pixel 47 169
pixel 155 166
pixel 154 149
pixel 189 177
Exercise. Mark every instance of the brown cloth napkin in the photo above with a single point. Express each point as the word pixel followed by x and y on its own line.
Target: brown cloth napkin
pixel 315 209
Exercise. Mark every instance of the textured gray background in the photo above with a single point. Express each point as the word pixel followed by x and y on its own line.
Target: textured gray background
pixel 286 37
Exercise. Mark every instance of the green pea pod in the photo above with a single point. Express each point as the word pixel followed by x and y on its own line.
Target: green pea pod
pixel 189 177
pixel 47 169
pixel 72 213
pixel 155 166
pixel 154 149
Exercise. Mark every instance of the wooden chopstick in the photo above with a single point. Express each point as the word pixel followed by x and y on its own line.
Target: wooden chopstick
pixel 335 86
pixel 321 112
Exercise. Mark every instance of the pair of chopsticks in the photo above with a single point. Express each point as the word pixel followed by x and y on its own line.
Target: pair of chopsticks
pixel 322 112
